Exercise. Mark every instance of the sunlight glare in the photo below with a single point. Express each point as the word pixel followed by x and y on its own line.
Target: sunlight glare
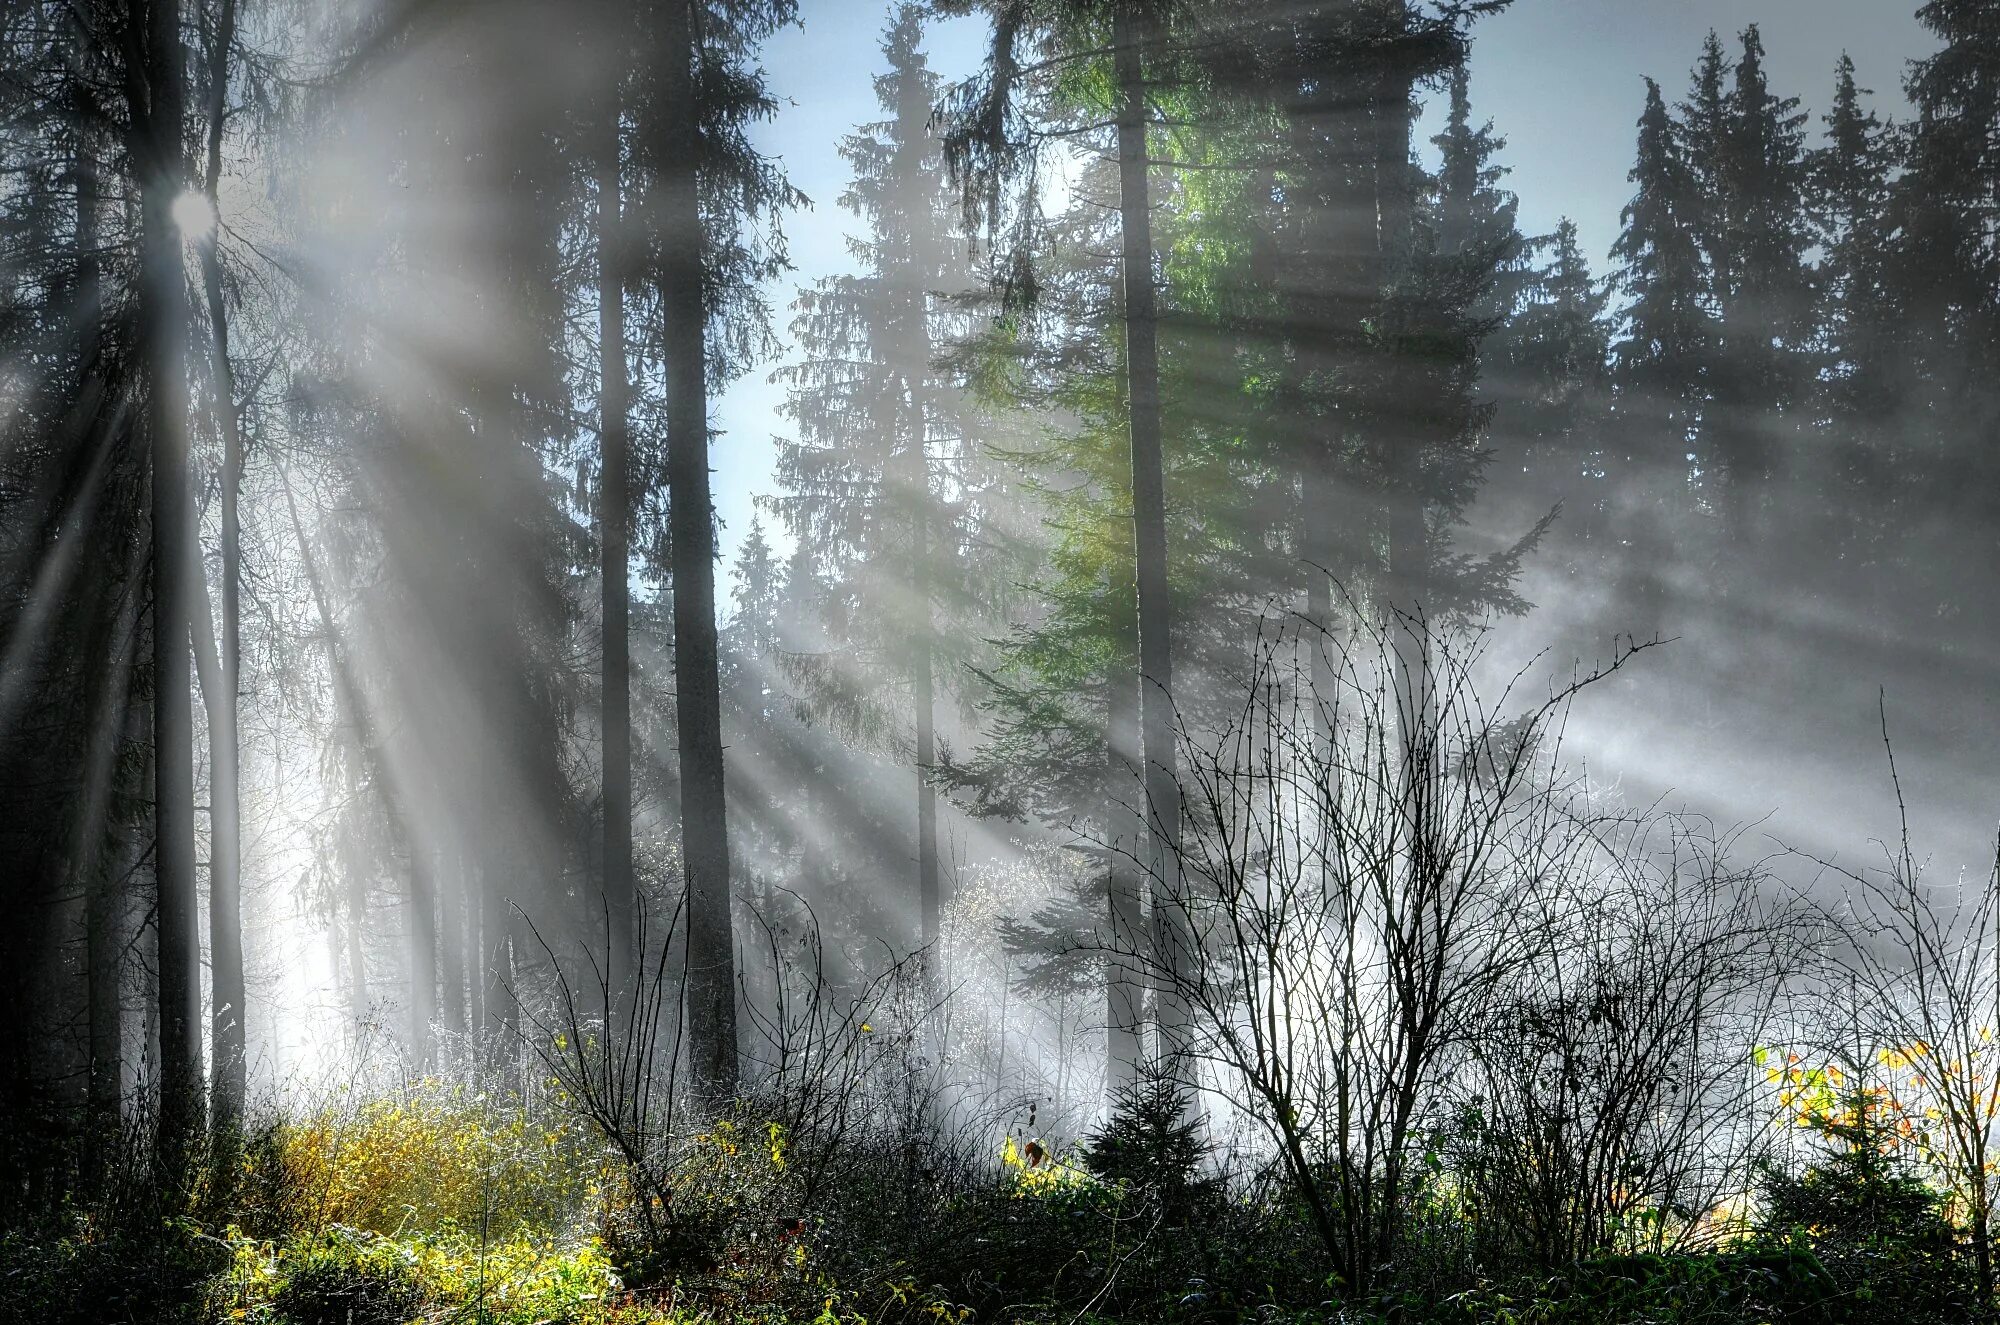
pixel 194 216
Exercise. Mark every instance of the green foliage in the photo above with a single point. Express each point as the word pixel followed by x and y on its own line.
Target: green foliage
pixel 347 1276
pixel 1152 1144
pixel 331 1285
pixel 97 1269
pixel 438 1156
pixel 1752 1285
pixel 1884 1235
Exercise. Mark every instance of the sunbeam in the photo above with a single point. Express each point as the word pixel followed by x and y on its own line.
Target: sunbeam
pixel 1123 661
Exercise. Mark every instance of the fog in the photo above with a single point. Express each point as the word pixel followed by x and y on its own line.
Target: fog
pixel 994 553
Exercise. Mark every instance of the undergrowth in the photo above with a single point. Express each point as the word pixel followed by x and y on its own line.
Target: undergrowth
pixel 442 1205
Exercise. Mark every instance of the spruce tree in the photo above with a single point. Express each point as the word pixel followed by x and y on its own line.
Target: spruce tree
pixel 1942 280
pixel 884 483
pixel 1761 288
pixel 1659 353
pixel 1548 373
pixel 1857 478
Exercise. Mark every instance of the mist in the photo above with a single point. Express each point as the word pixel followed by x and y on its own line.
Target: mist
pixel 1350 644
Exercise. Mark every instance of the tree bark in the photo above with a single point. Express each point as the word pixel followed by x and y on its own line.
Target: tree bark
pixel 422 936
pixel 225 849
pixel 1132 32
pixel 711 980
pixel 161 167
pixel 930 897
pixel 97 870
pixel 1126 944
pixel 615 505
pixel 451 937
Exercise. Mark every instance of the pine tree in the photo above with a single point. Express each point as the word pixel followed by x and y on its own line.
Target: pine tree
pixel 884 482
pixel 1758 236
pixel 1659 355
pixel 619 893
pixel 1849 187
pixel 1548 370
pixel 1858 477
pixel 983 152
pixel 702 198
pixel 159 161
pixel 1942 280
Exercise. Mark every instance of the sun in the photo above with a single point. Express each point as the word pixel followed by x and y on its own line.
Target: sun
pixel 194 216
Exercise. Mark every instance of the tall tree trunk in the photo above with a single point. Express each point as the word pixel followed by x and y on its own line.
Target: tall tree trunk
pixel 711 981
pixel 422 937
pixel 111 712
pixel 451 937
pixel 100 878
pixel 487 944
pixel 1125 1000
pixel 615 504
pixel 225 849
pixel 161 168
pixel 923 659
pixel 1132 33
pixel 930 897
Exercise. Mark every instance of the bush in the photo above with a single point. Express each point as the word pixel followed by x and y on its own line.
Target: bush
pixel 1152 1145
pixel 1751 1286
pixel 102 1270
pixel 348 1274
pixel 438 1157
pixel 331 1286
pixel 1884 1236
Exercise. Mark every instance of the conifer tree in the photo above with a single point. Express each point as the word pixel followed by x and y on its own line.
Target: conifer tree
pixel 1942 282
pixel 884 483
pixel 1848 188
pixel 701 203
pixel 1547 371
pixel 1758 235
pixel 1659 354
pixel 1857 478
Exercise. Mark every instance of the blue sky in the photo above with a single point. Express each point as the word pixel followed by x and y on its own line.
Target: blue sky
pixel 1562 81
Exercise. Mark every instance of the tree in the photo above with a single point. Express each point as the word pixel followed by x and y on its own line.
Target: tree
pixel 1943 287
pixel 227 988
pixel 1659 351
pixel 1747 153
pixel 1848 190
pixel 614 501
pixel 703 180
pixel 1136 34
pixel 1547 366
pixel 887 482
pixel 161 168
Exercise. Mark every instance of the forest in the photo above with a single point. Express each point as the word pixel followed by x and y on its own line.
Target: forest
pixel 1119 675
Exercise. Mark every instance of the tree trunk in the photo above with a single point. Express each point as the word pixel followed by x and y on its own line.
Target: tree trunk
pixel 711 982
pixel 614 505
pixel 354 869
pixel 930 896
pixel 1132 31
pixel 161 168
pixel 923 674
pixel 100 877
pixel 1125 1000
pixel 225 848
pixel 422 935
pixel 451 937
pixel 488 944
pixel 98 872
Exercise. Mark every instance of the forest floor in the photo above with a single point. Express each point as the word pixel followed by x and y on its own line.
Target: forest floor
pixel 442 1203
